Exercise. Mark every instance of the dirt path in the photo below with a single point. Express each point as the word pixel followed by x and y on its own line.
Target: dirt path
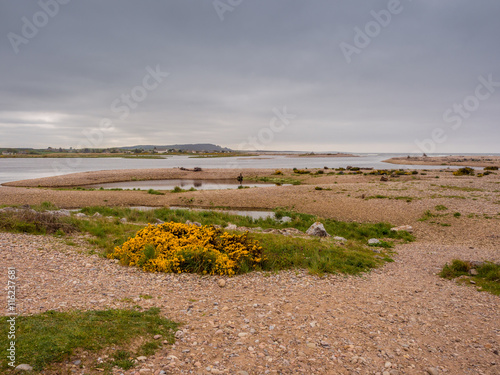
pixel 400 319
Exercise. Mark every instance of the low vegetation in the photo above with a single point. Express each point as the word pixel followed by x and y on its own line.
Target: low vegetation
pixel 176 247
pixel 275 180
pixel 178 189
pixel 34 222
pixel 107 232
pixel 155 192
pixel 53 337
pixel 464 172
pixel 486 275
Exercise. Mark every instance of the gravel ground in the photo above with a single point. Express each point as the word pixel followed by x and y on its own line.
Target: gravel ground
pixel 400 319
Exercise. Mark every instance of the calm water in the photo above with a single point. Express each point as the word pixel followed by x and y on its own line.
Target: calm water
pixel 184 184
pixel 22 169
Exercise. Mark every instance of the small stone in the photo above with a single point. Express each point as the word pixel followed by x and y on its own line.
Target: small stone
pixel 388 365
pixel 373 241
pixel 286 219
pixel 123 220
pixel 77 362
pixel 221 283
pixel 473 272
pixel 142 358
pixel 432 371
pixel 97 215
pixel 231 226
pixel 337 238
pixel 80 215
pixel 317 229
pixel 24 367
pixel 242 334
pixel 407 228
pixel 311 345
pixel 157 337
pixel 242 373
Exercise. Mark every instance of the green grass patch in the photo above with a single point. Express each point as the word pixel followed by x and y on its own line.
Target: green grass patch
pixel 317 256
pixel 321 188
pixel 34 222
pixel 378 196
pixel 155 192
pixel 53 337
pixel 178 189
pixel 487 278
pixel 460 188
pixel 440 207
pixel 275 180
pixel 282 252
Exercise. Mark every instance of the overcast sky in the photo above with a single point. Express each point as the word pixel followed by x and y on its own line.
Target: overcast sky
pixel 361 76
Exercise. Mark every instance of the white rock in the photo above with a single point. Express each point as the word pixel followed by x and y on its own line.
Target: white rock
pixel 24 367
pixel 337 238
pixel 373 241
pixel 407 228
pixel 221 283
pixel 317 229
pixel 231 226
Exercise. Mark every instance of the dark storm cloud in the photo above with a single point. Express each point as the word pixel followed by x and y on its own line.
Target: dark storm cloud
pixel 227 77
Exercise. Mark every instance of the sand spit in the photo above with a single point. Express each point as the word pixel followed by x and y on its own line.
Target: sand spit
pixel 100 177
pixel 466 161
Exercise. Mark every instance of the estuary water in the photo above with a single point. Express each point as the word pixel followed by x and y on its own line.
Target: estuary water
pixel 14 169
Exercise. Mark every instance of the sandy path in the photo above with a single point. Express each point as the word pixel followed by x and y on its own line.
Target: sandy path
pixel 401 319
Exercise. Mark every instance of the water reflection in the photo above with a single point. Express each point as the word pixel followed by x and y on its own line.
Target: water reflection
pixel 184 184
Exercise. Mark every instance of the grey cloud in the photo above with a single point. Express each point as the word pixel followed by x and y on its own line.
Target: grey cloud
pixel 226 77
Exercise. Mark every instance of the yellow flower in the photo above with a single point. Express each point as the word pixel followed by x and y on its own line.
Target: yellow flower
pixel 177 247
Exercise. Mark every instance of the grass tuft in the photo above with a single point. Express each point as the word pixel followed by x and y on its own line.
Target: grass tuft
pixel 53 337
pixel 487 278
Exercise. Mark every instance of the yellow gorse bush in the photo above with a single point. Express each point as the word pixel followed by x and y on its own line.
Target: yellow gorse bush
pixel 177 247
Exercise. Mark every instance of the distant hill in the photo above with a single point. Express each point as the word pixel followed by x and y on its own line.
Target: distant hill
pixel 185 147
